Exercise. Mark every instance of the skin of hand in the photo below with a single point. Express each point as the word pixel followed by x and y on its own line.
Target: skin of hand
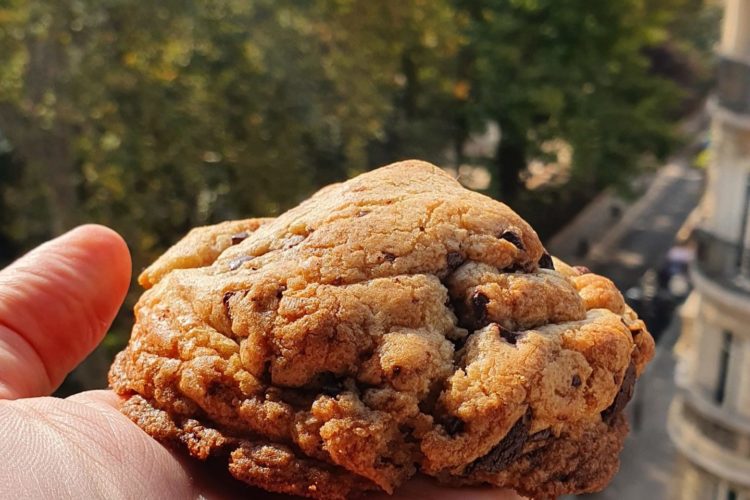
pixel 56 304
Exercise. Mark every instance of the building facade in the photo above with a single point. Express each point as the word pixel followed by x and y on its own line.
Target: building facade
pixel 709 421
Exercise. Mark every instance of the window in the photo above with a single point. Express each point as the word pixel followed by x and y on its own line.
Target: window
pixel 743 255
pixel 716 432
pixel 726 348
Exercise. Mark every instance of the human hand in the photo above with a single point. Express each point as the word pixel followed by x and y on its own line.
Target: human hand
pixel 56 304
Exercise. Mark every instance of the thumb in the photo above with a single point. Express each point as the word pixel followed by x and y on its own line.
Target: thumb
pixel 56 303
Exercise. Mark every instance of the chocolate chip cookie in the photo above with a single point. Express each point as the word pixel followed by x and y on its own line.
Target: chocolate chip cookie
pixel 391 324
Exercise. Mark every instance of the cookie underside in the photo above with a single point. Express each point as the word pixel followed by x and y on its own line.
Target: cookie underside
pixel 392 324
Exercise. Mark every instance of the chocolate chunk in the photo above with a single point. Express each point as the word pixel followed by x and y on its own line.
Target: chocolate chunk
pixel 513 268
pixel 330 385
pixel 535 458
pixel 582 269
pixel 479 303
pixel 513 238
pixel 541 435
pixel 236 263
pixel 454 259
pixel 453 425
pixel 389 256
pixel 214 388
pixel 239 237
pixel 623 395
pixel 509 335
pixel 280 291
pixel 225 301
pixel 545 262
pixel 506 452
pixel 332 390
pixel 226 298
pixel 576 382
pixel 337 281
pixel 564 477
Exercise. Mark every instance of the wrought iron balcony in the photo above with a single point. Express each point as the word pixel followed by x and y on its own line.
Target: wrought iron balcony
pixel 733 86
pixel 724 262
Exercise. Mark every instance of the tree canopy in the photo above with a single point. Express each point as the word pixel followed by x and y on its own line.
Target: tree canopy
pixel 153 117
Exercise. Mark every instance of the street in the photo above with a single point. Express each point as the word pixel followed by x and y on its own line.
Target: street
pixel 623 241
pixel 646 232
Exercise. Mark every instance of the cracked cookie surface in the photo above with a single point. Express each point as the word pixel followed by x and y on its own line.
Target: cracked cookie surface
pixel 391 324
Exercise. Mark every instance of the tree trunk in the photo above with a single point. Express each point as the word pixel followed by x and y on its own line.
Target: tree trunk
pixel 464 73
pixel 411 86
pixel 46 148
pixel 510 160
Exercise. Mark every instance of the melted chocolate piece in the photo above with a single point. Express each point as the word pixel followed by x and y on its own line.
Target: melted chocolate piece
pixel 506 452
pixel 541 435
pixel 623 395
pixel 330 385
pixel 513 268
pixel 453 425
pixel 236 263
pixel 545 261
pixel 225 301
pixel 564 477
pixel 576 382
pixel 509 335
pixel 389 256
pixel 239 237
pixel 479 303
pixel 454 259
pixel 215 388
pixel 513 238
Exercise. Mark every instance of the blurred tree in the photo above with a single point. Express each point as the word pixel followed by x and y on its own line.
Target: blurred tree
pixel 570 70
pixel 687 55
pixel 154 117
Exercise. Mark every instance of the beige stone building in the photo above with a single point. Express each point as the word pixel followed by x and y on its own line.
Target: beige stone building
pixel 709 421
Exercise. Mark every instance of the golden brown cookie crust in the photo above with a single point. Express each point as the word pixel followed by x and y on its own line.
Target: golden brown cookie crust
pixel 393 323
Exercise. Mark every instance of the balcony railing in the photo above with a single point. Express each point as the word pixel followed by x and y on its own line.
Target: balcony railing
pixel 726 263
pixel 733 86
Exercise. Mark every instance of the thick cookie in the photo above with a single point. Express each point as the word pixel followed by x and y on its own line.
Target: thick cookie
pixel 391 324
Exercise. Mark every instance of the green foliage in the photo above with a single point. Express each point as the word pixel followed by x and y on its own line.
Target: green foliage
pixel 153 117
pixel 576 71
pixel 162 116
